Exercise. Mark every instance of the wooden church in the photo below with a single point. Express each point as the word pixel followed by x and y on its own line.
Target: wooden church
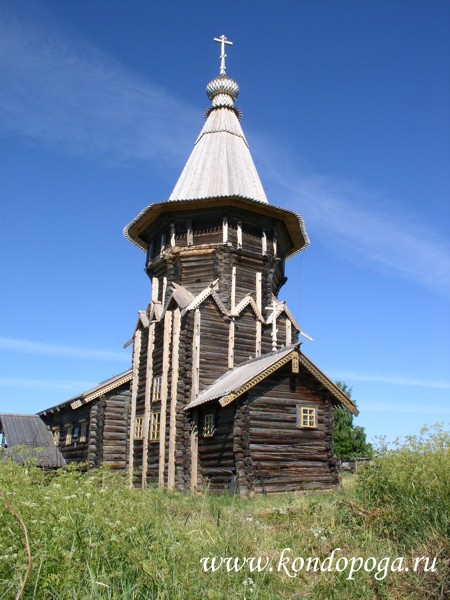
pixel 220 395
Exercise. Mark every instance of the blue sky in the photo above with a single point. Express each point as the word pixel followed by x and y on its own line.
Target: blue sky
pixel 346 108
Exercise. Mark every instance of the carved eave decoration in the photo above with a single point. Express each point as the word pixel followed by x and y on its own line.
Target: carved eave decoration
pixel 135 231
pixel 247 301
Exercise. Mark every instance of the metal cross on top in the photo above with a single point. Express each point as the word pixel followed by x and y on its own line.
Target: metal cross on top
pixel 222 41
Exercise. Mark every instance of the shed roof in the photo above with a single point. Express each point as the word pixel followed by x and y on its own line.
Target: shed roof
pixel 32 435
pixel 239 380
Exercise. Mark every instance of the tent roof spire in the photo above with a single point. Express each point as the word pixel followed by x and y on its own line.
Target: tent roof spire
pixel 220 164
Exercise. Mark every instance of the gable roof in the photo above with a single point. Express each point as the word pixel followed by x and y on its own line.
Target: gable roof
pixel 35 440
pixel 102 388
pixel 239 380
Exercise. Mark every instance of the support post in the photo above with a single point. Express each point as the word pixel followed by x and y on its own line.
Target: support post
pixel 194 450
pixel 225 230
pixel 173 397
pixel 134 391
pixel 148 391
pixel 164 385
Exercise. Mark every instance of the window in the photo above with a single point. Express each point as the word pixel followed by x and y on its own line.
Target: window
pixel 76 431
pixel 154 426
pixel 307 417
pixel 55 432
pixel 156 392
pixel 138 428
pixel 68 435
pixel 208 425
pixel 83 431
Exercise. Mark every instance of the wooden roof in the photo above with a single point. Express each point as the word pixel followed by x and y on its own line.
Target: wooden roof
pixel 31 435
pixel 102 388
pixel 239 380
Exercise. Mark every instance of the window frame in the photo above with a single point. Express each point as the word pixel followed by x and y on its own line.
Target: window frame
pixel 209 425
pixel 304 414
pixel 156 389
pixel 138 428
pixel 154 429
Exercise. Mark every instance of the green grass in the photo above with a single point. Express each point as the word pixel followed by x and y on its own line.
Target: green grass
pixel 91 537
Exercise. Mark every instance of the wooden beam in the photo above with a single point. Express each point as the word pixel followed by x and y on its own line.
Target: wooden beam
pixel 189 234
pixel 288 332
pixel 173 397
pixel 134 391
pixel 163 242
pixel 225 230
pixel 258 338
pixel 164 291
pixel 239 235
pixel 195 355
pixel 172 235
pixel 155 289
pixel 164 385
pixel 233 289
pixel 274 326
pixel 194 450
pixel 275 244
pixel 231 344
pixel 264 243
pixel 148 391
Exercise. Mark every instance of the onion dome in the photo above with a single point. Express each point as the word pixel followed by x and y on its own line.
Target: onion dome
pixel 222 91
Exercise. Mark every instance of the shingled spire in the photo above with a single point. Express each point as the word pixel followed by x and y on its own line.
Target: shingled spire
pixel 220 163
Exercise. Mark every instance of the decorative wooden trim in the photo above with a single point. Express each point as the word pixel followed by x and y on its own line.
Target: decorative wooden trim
pixel 225 230
pixel 295 363
pixel 288 333
pixel 200 298
pixel 164 390
pixel 147 396
pixel 275 244
pixel 104 390
pixel 260 377
pixel 172 235
pixel 173 397
pixel 330 386
pixel 231 344
pixel 195 355
pixel 134 391
pixel 264 243
pixel 155 289
pixel 194 450
pixel 245 302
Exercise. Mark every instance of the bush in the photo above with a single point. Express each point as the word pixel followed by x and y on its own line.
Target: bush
pixel 407 489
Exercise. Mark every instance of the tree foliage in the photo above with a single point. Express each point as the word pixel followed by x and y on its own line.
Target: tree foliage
pixel 349 439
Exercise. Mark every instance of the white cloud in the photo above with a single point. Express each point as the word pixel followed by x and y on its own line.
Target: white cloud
pixel 60 351
pixel 62 91
pixel 391 380
pixel 62 385
pixel 407 409
pixel 364 224
pixel 66 93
